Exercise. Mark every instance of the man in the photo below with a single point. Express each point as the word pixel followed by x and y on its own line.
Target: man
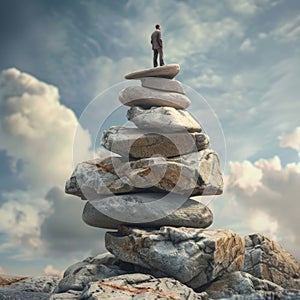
pixel 157 46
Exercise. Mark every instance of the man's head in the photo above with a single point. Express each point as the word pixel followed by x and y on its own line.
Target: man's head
pixel 157 26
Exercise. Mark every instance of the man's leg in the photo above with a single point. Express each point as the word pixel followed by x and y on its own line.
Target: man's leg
pixel 155 53
pixel 161 58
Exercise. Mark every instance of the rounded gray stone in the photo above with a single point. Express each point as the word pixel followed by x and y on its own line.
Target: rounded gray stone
pixel 165 119
pixel 166 71
pixel 191 214
pixel 162 84
pixel 146 98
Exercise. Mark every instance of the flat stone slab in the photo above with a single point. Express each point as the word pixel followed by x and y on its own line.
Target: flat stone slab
pixel 146 98
pixel 136 143
pixel 166 71
pixel 162 84
pixel 164 119
pixel 140 286
pixel 143 207
pixel 192 174
pixel 193 256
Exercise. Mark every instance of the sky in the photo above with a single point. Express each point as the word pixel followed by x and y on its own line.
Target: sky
pixel 61 57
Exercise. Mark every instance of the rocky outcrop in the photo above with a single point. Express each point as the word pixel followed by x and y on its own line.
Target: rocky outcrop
pixel 193 256
pixel 140 286
pixel 31 288
pixel 163 119
pixel 266 259
pixel 105 213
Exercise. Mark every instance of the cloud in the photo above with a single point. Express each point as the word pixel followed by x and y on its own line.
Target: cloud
pixel 208 79
pixel 247 46
pixel 288 31
pixel 64 233
pixel 245 176
pixel 49 270
pixel 291 140
pixel 245 7
pixel 265 193
pixel 262 35
pixel 38 131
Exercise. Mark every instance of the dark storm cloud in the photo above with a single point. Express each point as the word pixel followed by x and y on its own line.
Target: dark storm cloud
pixel 64 232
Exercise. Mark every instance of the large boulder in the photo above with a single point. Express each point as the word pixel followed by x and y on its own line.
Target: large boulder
pixel 195 257
pixel 166 71
pixel 164 119
pixel 146 210
pixel 145 97
pixel 195 173
pixel 140 286
pixel 266 259
pixel 137 143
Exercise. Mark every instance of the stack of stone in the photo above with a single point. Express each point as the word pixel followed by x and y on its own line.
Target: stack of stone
pixel 143 187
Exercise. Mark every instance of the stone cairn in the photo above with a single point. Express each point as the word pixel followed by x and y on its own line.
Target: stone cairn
pixel 143 189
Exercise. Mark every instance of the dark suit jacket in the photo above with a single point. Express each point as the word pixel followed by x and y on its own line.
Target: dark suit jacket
pixel 156 40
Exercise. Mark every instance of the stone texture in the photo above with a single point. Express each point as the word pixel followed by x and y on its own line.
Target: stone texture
pixel 140 287
pixel 137 143
pixel 42 284
pixel 69 295
pixel 10 294
pixel 97 177
pixel 240 283
pixel 285 295
pixel 191 174
pixel 164 119
pixel 266 259
pixel 77 276
pixel 191 214
pixel 162 84
pixel 145 97
pixel 195 257
pixel 166 71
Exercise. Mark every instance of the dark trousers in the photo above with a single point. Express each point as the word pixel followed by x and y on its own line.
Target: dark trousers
pixel 161 59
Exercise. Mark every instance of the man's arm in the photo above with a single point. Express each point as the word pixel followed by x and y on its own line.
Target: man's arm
pixel 159 39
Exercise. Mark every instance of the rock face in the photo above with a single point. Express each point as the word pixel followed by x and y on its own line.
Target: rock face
pixel 164 119
pixel 167 71
pixel 162 84
pixel 31 288
pixel 140 286
pixel 137 143
pixel 193 256
pixel 194 174
pixel 145 97
pixel 266 259
pixel 191 214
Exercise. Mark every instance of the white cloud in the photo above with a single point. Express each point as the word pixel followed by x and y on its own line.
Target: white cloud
pixel 259 221
pixel 247 46
pixel 207 79
pixel 266 195
pixel 2 271
pixel 245 176
pixel 262 35
pixel 36 129
pixel 288 31
pixel 49 270
pixel 291 140
pixel 245 7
